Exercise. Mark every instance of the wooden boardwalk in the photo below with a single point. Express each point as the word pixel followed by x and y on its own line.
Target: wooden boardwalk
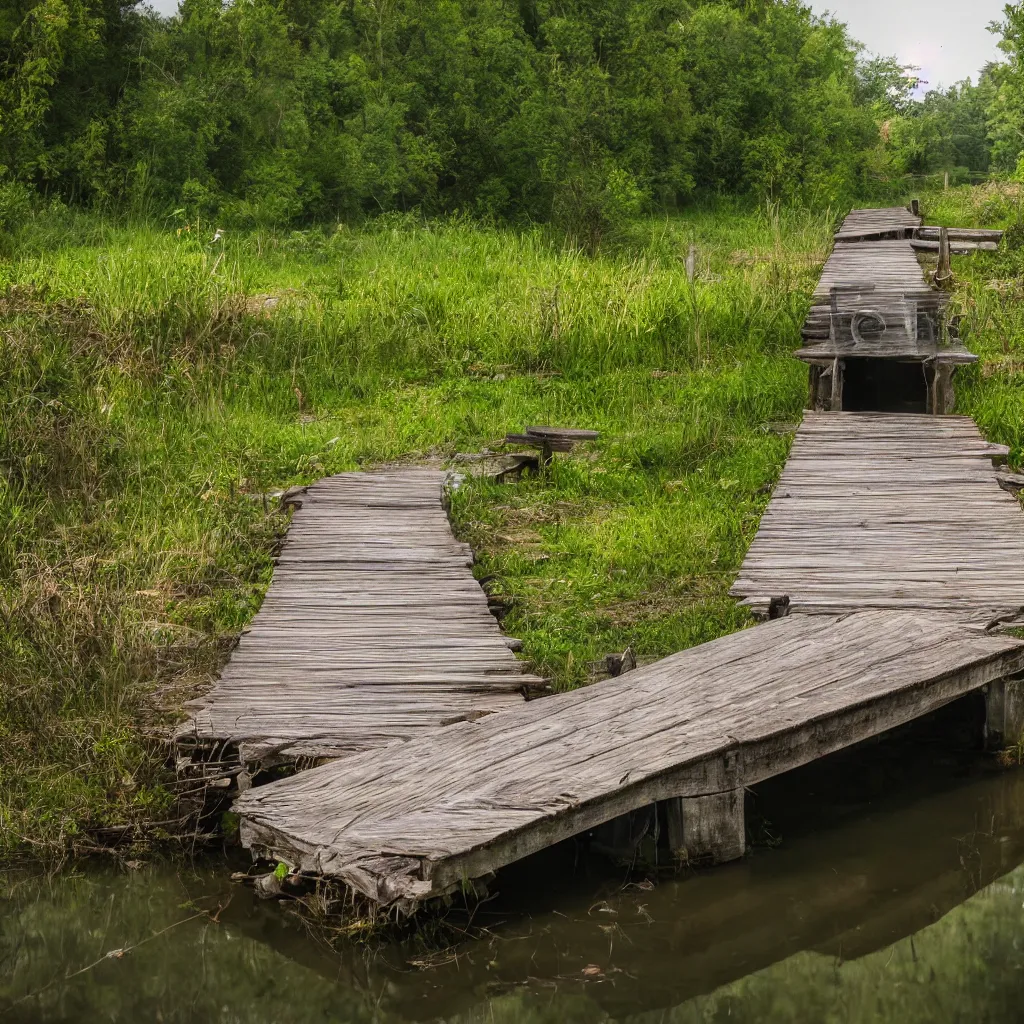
pixel 879 223
pixel 889 532
pixel 887 266
pixel 889 511
pixel 874 307
pixel 373 630
pixel 417 820
pixel 890 269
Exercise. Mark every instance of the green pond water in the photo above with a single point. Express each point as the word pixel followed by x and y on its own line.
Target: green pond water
pixel 895 894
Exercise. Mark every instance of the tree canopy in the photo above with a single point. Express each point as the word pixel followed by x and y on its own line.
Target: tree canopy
pixel 278 111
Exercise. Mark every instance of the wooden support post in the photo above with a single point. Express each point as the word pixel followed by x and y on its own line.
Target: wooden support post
pixel 942 390
pixel 915 207
pixel 707 829
pixel 836 401
pixel 945 180
pixel 630 839
pixel 1004 712
pixel 823 388
pixel 691 264
pixel 813 377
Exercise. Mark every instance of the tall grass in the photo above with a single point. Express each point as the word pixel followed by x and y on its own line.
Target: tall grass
pixel 988 297
pixel 158 385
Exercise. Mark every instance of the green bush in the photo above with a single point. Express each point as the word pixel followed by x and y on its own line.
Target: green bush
pixel 272 112
pixel 15 205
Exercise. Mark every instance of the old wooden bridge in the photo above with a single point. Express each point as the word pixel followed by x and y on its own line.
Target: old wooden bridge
pixel 887 557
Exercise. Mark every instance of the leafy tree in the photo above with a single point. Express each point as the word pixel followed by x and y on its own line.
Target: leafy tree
pixel 886 85
pixel 586 112
pixel 776 91
pixel 63 66
pixel 945 131
pixel 1006 103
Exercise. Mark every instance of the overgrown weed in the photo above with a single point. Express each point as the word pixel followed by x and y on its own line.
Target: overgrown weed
pixel 153 397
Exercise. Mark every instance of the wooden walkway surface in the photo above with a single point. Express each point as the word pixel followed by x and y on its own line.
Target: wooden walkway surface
pixel 418 820
pixel 882 222
pixel 889 511
pixel 373 630
pixel 889 271
pixel 890 532
pixel 891 267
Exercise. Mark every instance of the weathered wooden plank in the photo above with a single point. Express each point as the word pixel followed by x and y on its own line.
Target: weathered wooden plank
pixel 373 630
pixel 876 510
pixel 990 235
pixel 864 224
pixel 413 821
pixel 956 248
pixel 888 265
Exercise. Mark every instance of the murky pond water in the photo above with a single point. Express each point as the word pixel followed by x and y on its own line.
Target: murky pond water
pixel 897 894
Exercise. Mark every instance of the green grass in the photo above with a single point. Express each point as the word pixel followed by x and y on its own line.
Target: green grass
pixel 156 386
pixel 989 299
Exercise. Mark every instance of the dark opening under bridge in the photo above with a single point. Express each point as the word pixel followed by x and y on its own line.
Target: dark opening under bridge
pixel 889 551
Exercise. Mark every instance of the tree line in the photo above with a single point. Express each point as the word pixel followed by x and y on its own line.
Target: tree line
pixel 579 111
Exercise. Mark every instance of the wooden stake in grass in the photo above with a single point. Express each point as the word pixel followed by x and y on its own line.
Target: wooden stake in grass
pixel 691 274
pixel 943 273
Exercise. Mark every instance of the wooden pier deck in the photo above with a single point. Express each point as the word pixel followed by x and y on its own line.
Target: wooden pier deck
pixel 417 820
pixel 889 511
pixel 875 313
pixel 890 268
pixel 373 630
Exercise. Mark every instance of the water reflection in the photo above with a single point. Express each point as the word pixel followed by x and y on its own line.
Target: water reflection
pixel 897 895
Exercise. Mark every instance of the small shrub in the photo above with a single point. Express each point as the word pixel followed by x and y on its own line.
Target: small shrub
pixel 15 205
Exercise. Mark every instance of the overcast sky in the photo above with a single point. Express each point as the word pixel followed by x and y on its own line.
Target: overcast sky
pixel 946 38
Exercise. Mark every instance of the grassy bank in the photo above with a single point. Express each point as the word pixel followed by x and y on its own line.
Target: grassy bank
pixel 157 385
pixel 989 298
